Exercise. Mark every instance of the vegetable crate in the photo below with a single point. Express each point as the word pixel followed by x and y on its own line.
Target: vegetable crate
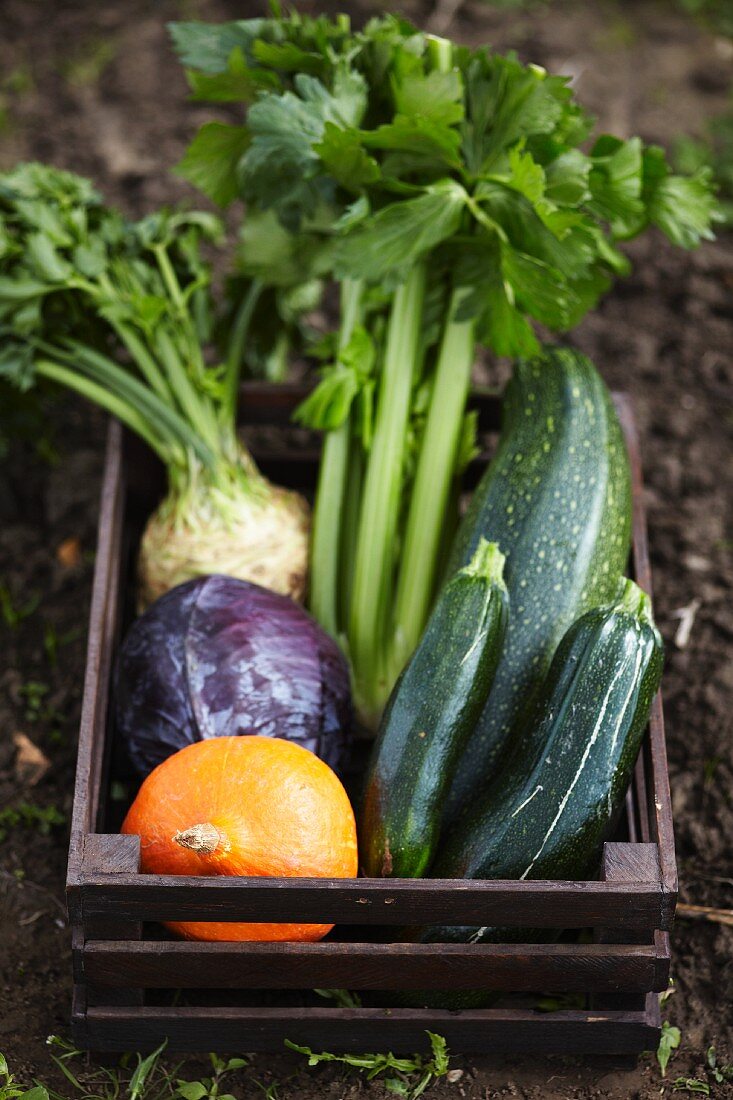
pixel 134 987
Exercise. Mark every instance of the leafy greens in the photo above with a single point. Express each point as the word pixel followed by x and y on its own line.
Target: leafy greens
pixel 449 193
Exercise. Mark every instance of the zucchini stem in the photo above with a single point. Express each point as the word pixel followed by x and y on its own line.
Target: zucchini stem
pixel 487 561
pixel 635 600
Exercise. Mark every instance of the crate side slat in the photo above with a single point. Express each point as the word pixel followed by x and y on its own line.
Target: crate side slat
pixel 507 967
pixel 102 617
pixel 661 803
pixel 119 854
pixel 399 1030
pixel 372 901
pixel 628 863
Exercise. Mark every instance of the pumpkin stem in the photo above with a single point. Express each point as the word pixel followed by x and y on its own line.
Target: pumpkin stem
pixel 204 839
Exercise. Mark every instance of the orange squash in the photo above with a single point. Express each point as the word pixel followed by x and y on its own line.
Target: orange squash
pixel 245 806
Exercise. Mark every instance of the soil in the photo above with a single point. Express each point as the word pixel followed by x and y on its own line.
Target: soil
pixel 93 87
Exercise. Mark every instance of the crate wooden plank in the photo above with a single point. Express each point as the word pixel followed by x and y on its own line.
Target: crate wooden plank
pixel 399 1030
pixel 627 863
pixel 102 625
pixel 662 830
pixel 508 967
pixel 119 855
pixel 371 901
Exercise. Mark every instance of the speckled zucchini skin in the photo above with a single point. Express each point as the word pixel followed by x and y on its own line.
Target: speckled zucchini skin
pixel 432 710
pixel 557 500
pixel 558 796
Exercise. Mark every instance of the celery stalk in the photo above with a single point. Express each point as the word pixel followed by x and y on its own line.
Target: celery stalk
pixel 432 487
pixel 374 563
pixel 332 477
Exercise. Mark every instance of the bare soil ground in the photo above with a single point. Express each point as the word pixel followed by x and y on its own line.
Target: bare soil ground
pixel 93 87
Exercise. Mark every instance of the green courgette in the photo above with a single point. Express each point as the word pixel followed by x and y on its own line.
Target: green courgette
pixel 432 710
pixel 558 796
pixel 556 498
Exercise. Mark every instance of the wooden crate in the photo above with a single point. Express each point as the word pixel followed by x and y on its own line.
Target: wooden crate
pixel 125 970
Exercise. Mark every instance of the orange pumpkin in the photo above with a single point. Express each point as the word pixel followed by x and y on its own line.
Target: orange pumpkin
pixel 245 806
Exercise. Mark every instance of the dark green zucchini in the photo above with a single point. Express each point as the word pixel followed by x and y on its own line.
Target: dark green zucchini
pixel 556 498
pixel 431 711
pixel 559 793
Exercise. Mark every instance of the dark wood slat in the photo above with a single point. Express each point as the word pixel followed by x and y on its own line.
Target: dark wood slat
pixel 371 901
pixel 399 1030
pixel 661 802
pixel 102 621
pixel 638 788
pixel 112 853
pixel 507 967
pixel 630 863
pixel 627 863
pixel 119 855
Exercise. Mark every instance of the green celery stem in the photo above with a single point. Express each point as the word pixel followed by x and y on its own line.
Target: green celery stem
pixel 373 579
pixel 325 541
pixel 332 478
pixel 350 525
pixel 194 406
pixel 235 348
pixel 432 488
pixel 440 52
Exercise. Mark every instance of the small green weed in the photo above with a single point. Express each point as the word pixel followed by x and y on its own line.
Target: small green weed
pixel 138 1078
pixel 10 1090
pixel 716 13
pixel 29 816
pixel 720 1074
pixel 691 1084
pixel 19 81
pixel 270 1092
pixel 209 1088
pixel 14 612
pixel 406 1077
pixel 669 992
pixel 84 68
pixel 15 84
pixel 141 1079
pixel 34 693
pixel 709 768
pixel 53 642
pixel 669 1040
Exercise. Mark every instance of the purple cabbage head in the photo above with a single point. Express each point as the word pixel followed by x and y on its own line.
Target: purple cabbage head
pixel 217 657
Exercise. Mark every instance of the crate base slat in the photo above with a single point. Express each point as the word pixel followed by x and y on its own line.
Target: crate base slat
pixel 485 1031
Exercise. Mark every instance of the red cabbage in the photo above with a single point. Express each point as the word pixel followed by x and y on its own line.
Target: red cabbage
pixel 219 656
